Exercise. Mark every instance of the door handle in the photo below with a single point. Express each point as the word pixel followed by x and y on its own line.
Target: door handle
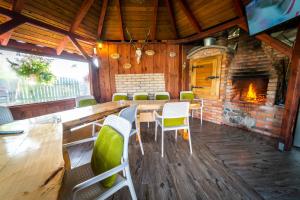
pixel 212 77
pixel 197 87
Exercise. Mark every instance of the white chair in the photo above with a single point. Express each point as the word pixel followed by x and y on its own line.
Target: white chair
pixel 81 183
pixel 83 101
pixel 5 115
pixel 119 96
pixel 173 111
pixel 140 96
pixel 189 96
pixel 162 96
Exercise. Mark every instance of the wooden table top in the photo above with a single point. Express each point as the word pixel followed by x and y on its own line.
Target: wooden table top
pixel 150 105
pixel 32 164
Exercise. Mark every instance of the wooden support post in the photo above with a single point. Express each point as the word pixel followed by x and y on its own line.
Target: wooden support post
pixel 79 47
pixel 292 97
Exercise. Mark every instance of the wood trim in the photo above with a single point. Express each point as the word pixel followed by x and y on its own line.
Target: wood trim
pixel 10 25
pixel 43 51
pixel 62 45
pixel 154 20
pixel 172 17
pixel 119 16
pixel 238 7
pixel 189 14
pixel 78 47
pixel 101 18
pixel 274 43
pixel 206 33
pixel 292 97
pixel 25 19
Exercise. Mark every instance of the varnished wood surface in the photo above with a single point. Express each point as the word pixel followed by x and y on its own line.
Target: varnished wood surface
pixel 227 163
pixel 31 164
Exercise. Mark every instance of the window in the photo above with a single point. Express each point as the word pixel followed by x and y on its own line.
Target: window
pixel 71 79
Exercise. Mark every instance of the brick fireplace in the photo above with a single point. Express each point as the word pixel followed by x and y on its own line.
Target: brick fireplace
pixel 249 83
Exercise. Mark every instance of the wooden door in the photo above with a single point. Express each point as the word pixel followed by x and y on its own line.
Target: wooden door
pixel 205 81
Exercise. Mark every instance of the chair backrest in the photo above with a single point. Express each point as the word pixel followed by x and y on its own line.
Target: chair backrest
pixel 187 95
pixel 129 113
pixel 5 115
pixel 83 101
pixel 111 147
pixel 162 96
pixel 119 96
pixel 140 96
pixel 176 110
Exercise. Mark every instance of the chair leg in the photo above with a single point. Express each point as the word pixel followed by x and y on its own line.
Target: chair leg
pixel 148 125
pixel 140 141
pixel 190 141
pixel 201 113
pixel 175 135
pixel 156 130
pixel 130 184
pixel 162 142
pixel 192 113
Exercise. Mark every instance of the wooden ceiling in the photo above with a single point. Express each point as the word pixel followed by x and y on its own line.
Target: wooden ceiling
pixel 88 20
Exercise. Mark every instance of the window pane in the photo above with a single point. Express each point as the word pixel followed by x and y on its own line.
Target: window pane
pixel 71 80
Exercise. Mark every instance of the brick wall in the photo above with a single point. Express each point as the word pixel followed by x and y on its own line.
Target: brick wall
pixel 131 83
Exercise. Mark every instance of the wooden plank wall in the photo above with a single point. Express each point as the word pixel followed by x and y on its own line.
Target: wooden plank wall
pixel 161 62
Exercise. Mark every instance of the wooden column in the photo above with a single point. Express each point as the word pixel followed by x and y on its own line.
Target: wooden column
pixel 94 82
pixel 292 96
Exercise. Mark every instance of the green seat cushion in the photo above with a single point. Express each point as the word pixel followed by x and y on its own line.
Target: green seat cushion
pixel 174 122
pixel 87 102
pixel 107 153
pixel 141 97
pixel 161 97
pixel 187 96
pixel 120 97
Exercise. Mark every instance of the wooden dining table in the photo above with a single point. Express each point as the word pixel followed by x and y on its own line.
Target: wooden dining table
pixel 32 164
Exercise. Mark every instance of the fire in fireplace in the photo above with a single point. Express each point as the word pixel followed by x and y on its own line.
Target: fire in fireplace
pixel 253 90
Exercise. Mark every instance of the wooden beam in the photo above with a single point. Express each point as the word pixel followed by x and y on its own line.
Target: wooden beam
pixel 42 51
pixel 208 32
pixel 119 16
pixel 84 8
pixel 43 25
pixel 78 47
pixel 17 7
pixel 239 7
pixel 292 96
pixel 101 18
pixel 188 13
pixel 274 43
pixel 172 17
pixel 10 25
pixel 154 20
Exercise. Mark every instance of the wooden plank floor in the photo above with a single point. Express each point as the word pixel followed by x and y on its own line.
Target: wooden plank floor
pixel 227 163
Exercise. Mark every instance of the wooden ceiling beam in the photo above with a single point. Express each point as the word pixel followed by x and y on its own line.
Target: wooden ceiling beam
pixel 120 19
pixel 84 8
pixel 10 25
pixel 208 32
pixel 154 20
pixel 18 5
pixel 42 51
pixel 239 7
pixel 101 18
pixel 274 43
pixel 172 16
pixel 78 47
pixel 188 13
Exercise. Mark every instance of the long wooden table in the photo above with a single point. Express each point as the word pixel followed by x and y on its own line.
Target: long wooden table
pixel 32 164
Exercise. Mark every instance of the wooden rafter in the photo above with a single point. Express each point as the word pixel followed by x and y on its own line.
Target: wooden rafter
pixel 10 25
pixel 172 17
pixel 274 43
pixel 37 50
pixel 78 47
pixel 154 20
pixel 208 32
pixel 188 13
pixel 17 7
pixel 43 25
pixel 120 19
pixel 84 8
pixel 101 18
